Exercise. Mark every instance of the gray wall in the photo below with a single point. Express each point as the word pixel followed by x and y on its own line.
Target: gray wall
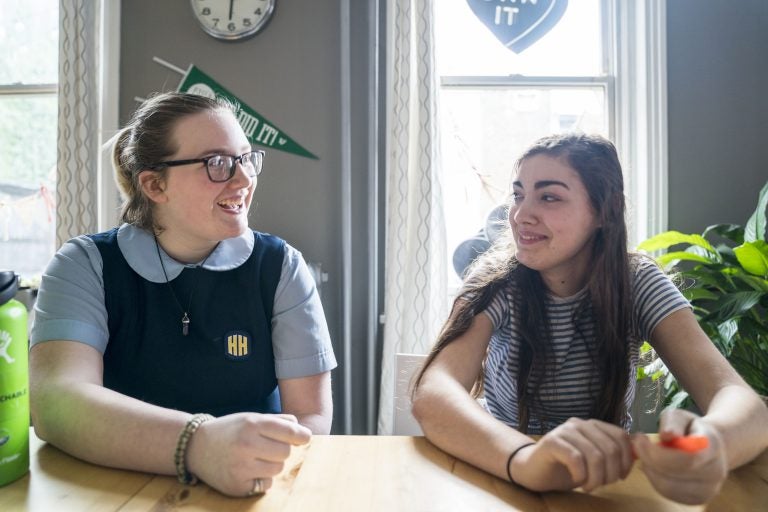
pixel 717 57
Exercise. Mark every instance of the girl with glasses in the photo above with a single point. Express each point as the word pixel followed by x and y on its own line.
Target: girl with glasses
pixel 548 328
pixel 182 342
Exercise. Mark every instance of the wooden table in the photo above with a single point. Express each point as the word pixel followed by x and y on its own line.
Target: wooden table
pixel 349 473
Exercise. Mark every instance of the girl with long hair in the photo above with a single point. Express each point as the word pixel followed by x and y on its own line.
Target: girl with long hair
pixel 548 327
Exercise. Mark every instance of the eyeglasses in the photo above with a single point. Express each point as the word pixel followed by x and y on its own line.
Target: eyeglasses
pixel 220 167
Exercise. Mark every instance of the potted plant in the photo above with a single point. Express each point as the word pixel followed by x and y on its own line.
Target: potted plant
pixel 724 274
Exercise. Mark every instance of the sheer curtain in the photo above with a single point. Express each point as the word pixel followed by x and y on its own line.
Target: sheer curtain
pixel 415 263
pixel 78 143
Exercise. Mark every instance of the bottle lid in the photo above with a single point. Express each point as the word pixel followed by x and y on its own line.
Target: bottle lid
pixel 9 284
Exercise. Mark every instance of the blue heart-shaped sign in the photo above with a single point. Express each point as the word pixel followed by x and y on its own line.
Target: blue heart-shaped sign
pixel 519 23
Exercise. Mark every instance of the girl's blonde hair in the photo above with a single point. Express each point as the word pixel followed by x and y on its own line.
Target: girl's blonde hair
pixel 148 139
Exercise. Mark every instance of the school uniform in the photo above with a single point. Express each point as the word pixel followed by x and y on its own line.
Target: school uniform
pixel 253 308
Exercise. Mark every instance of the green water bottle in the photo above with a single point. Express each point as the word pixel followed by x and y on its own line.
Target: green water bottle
pixel 14 382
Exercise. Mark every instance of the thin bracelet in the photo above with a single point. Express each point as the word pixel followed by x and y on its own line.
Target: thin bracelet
pixel 179 456
pixel 512 456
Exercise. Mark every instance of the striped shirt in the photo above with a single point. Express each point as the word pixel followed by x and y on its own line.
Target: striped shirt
pixel 570 389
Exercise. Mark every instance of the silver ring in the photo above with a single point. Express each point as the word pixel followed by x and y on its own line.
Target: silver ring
pixel 258 487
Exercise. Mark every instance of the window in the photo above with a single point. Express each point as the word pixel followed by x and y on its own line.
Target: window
pixel 595 71
pixel 28 107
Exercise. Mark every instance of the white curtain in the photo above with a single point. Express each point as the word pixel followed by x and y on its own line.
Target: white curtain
pixel 78 141
pixel 415 265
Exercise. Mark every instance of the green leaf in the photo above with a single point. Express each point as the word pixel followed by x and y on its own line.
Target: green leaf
pixel 732 232
pixel 669 238
pixel 654 366
pixel 726 253
pixel 700 312
pixel 753 256
pixel 756 329
pixel 756 283
pixel 655 370
pixel 724 347
pixel 737 303
pixel 705 277
pixel 670 383
pixel 699 294
pixel 727 329
pixel 678 399
pixel 751 361
pixel 755 228
pixel 727 286
pixel 674 257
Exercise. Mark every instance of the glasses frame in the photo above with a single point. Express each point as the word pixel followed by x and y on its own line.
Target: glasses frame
pixel 235 159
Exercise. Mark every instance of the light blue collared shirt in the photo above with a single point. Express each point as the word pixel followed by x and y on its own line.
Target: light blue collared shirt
pixel 70 303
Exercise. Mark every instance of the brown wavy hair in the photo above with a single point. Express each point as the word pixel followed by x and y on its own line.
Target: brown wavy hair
pixel 148 139
pixel 595 160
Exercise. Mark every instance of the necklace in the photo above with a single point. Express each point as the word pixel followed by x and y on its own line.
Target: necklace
pixel 184 319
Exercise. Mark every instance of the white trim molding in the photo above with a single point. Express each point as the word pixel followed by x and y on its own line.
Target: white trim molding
pixel 641 116
pixel 345 89
pixel 109 89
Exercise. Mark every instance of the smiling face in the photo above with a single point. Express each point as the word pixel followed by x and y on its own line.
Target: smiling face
pixel 553 223
pixel 194 212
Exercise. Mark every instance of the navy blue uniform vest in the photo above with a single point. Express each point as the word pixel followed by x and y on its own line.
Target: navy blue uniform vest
pixel 225 364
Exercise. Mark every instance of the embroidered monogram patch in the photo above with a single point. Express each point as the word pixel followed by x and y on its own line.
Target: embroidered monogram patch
pixel 237 345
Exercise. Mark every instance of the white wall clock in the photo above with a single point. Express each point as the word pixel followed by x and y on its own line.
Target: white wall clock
pixel 233 20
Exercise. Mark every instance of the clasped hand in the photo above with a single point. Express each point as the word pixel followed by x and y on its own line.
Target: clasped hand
pixel 691 478
pixel 228 453
pixel 592 453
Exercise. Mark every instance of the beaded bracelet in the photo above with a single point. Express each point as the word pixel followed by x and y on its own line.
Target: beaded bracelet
pixel 179 457
pixel 512 456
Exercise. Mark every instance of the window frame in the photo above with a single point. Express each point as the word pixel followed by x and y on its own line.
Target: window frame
pixel 109 77
pixel 30 89
pixel 640 52
pixel 109 99
pixel 634 63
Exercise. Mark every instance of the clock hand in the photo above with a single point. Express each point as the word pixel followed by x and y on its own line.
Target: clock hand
pixel 230 9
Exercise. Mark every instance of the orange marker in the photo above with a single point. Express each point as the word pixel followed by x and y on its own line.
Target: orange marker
pixel 690 444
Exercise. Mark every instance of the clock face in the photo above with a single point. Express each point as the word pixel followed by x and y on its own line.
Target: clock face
pixel 233 19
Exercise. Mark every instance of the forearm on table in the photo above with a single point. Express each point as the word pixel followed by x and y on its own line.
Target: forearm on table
pixel 101 426
pixel 310 399
pixel 742 420
pixel 456 423
pixel 319 424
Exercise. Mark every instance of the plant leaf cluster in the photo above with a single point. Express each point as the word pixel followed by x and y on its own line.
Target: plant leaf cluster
pixel 723 272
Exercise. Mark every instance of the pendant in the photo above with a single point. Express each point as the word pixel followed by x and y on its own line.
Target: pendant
pixel 185 324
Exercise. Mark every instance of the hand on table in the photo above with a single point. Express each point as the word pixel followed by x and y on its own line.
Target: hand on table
pixel 230 452
pixel 578 453
pixel 686 477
